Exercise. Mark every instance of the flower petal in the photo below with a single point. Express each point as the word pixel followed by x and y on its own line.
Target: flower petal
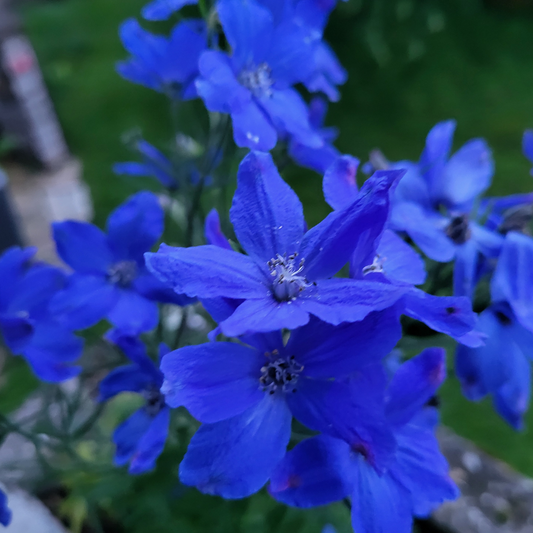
pixel 162 9
pixel 266 213
pixel 127 378
pixel 214 381
pixel 235 458
pixel 128 434
pixel 464 271
pixel 82 246
pixel 133 313
pixel 340 185
pixel 252 129
pixel 315 472
pixel 207 272
pixel 213 231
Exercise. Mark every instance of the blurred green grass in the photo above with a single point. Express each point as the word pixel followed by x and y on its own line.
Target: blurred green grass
pixel 479 70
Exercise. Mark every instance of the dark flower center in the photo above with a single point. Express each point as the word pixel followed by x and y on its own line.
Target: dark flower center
pixel 458 229
pixel 288 282
pixel 154 400
pixel 281 373
pixel 258 80
pixel 376 266
pixel 503 319
pixel 122 273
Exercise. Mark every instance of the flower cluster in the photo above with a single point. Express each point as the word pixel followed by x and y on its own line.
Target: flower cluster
pixel 293 387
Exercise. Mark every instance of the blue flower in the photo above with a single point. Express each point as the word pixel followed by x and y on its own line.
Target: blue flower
pixel 154 165
pixel 141 438
pixel 27 324
pixel 246 395
pixel 284 279
pixel 501 367
pixel 255 84
pixel 166 65
pixel 392 260
pixel 319 159
pixel 110 279
pixel 162 9
pixel 5 512
pixel 323 469
pixel 434 204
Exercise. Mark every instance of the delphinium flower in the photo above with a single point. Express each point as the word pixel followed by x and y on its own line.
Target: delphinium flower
pixel 5 512
pixel 392 260
pixel 154 165
pixel 435 203
pixel 319 159
pixel 110 279
pixel 141 438
pixel 284 278
pixel 27 324
pixel 323 469
pixel 168 65
pixel 254 84
pixel 246 395
pixel 501 367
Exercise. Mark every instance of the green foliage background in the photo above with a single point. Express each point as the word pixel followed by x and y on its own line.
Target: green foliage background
pixel 411 63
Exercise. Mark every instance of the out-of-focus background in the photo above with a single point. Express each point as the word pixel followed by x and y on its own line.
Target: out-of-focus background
pixel 411 63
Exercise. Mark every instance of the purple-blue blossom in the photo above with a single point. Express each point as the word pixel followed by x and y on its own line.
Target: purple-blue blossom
pixel 287 275
pixel 5 512
pixel 140 439
pixel 110 279
pixel 163 9
pixel 246 395
pixel 501 367
pixel 323 469
pixel 27 324
pixel 168 65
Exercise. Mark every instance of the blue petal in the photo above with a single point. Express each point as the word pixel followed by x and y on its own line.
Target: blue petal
pixel 16 332
pixel 288 112
pixel 340 185
pixel 317 159
pixel 214 381
pixel 13 265
pixel 218 86
pixel 84 302
pixel 51 352
pixel 133 313
pixel 266 213
pixel 422 469
pixel 328 351
pixel 328 246
pixel 5 512
pixel 435 155
pixel 425 228
pixel 207 272
pixel 464 271
pixel 133 169
pixel 511 400
pixel 82 246
pixel 512 279
pixel 488 242
pixel 450 315
pixel 128 434
pixel 151 444
pixel 401 262
pixel 413 186
pixel 150 287
pixel 129 378
pixel 361 422
pixel 467 174
pixel 527 144
pixel 313 473
pixel 414 383
pixel 236 457
pixel 135 71
pixel 248 28
pixel 162 9
pixel 135 226
pixel 348 300
pixel 328 72
pixel 213 231
pixel 267 314
pixel 379 503
pixel 252 129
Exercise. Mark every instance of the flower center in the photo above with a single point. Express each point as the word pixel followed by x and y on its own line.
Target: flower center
pixel 458 229
pixel 288 282
pixel 281 373
pixel 122 273
pixel 154 401
pixel 376 266
pixel 258 80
